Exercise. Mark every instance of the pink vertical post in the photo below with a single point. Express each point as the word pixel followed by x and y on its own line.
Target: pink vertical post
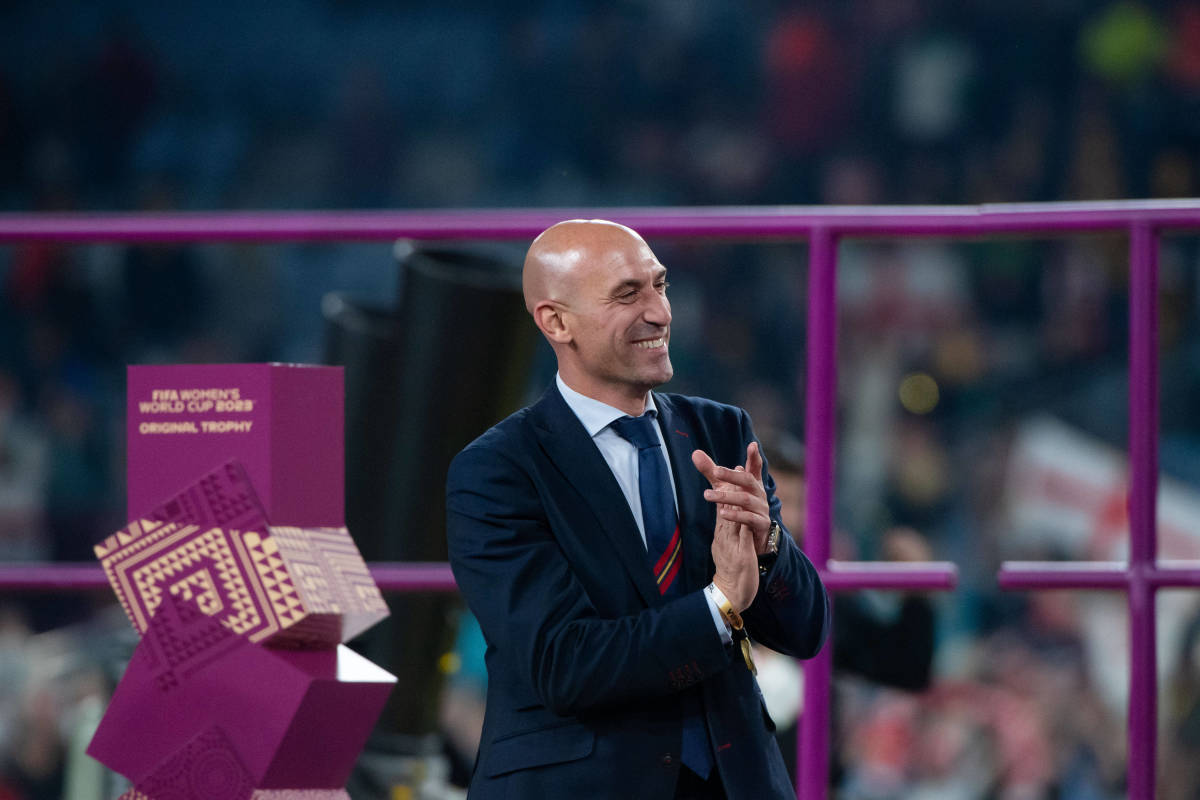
pixel 1143 491
pixel 812 757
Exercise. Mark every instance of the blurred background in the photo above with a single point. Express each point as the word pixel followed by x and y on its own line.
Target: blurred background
pixel 982 414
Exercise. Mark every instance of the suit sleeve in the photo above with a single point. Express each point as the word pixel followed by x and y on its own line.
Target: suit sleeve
pixel 791 612
pixel 534 611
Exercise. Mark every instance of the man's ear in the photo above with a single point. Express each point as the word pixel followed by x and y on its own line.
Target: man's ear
pixel 549 319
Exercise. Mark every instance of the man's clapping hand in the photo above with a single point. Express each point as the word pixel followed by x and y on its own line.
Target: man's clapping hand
pixel 743 522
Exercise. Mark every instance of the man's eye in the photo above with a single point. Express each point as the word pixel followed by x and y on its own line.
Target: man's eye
pixel 662 286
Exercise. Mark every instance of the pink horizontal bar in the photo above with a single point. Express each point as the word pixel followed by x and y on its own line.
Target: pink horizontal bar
pixel 890 575
pixel 274 226
pixel 1166 573
pixel 415 576
pixel 1064 575
pixel 731 222
pixel 437 577
pixel 34 576
pixel 840 576
pixel 1172 573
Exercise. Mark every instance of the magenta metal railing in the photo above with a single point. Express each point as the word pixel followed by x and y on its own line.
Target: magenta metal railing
pixel 408 576
pixel 1143 221
pixel 788 222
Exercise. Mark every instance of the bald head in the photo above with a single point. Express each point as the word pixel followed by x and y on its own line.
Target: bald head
pixel 599 295
pixel 562 253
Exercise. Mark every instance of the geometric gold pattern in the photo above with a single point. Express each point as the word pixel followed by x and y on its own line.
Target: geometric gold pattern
pixel 211 546
pixel 327 583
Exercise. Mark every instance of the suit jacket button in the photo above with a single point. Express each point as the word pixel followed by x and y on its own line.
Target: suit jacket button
pixel 667 760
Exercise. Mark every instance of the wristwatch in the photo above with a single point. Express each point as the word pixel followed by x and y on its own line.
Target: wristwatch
pixel 767 559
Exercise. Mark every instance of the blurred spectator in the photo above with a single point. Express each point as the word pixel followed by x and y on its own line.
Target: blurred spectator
pixel 1181 770
pixel 934 70
pixel 12 144
pixel 809 81
pixel 120 91
pixel 164 296
pixel 24 477
pixel 884 638
pixel 1123 43
pixel 78 502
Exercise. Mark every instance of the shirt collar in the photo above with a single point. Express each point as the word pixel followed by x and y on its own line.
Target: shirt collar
pixel 594 415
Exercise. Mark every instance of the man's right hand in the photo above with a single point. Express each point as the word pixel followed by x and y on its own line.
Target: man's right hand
pixel 733 548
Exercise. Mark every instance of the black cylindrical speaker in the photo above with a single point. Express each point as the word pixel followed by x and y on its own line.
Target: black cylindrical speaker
pixel 423 380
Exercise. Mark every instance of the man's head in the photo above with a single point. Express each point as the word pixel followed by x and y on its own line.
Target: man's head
pixel 599 295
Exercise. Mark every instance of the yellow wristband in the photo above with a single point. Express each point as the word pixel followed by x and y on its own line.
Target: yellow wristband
pixel 725 607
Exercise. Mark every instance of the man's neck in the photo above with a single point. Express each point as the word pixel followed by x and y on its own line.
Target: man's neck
pixel 634 406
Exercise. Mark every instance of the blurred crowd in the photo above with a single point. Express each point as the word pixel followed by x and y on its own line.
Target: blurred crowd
pixel 314 103
pixel 947 351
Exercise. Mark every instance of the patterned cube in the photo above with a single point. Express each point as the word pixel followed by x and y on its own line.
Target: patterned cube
pixel 293 718
pixel 319 584
pixel 211 545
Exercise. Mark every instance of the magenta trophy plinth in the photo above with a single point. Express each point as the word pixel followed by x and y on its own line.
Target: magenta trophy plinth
pixel 284 422
pixel 294 718
pixel 240 686
pixel 208 767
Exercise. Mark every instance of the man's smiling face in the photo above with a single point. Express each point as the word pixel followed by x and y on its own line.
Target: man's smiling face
pixel 620 319
pixel 599 295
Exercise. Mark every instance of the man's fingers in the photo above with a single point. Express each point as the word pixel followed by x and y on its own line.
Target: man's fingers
pixel 717 474
pixel 748 518
pixel 753 459
pixel 706 466
pixel 732 496
pixel 737 476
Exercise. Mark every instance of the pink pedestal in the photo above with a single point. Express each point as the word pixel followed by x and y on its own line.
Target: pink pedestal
pixel 284 422
pixel 262 794
pixel 206 709
pixel 207 768
pixel 294 718
pixel 212 545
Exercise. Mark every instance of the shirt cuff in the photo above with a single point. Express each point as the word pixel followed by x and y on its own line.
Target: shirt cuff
pixel 719 620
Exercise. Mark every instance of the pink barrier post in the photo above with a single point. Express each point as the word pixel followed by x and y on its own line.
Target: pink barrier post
pixel 812 756
pixel 812 745
pixel 1143 493
pixel 1143 575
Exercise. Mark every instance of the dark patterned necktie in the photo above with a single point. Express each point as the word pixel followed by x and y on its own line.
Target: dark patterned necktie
pixel 664 548
pixel 658 502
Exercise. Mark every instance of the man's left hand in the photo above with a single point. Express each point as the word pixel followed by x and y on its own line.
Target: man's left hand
pixel 739 493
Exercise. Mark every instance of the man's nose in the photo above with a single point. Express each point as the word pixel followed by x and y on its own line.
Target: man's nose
pixel 658 310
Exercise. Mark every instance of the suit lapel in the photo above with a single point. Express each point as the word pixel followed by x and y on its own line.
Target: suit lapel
pixel 567 444
pixel 696 515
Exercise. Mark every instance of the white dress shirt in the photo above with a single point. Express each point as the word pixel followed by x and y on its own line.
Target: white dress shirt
pixel 622 458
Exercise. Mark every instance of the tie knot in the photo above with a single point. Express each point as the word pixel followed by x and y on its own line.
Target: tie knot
pixel 638 431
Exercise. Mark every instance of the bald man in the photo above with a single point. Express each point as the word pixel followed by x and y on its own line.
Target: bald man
pixel 617 546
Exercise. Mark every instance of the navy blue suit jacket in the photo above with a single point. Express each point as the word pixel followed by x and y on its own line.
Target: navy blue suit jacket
pixel 586 661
